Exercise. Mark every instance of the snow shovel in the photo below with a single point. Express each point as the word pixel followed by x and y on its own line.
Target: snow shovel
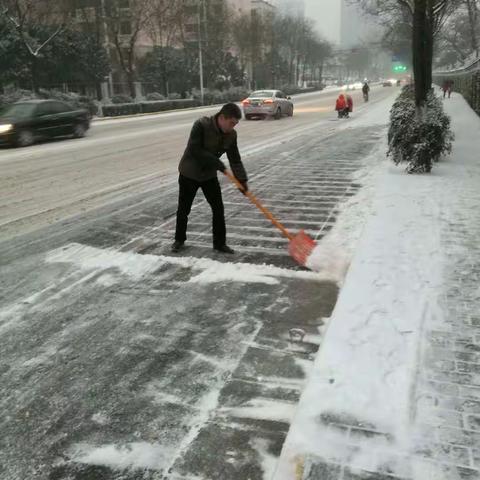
pixel 301 245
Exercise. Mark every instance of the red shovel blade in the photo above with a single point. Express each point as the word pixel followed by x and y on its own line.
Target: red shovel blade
pixel 301 247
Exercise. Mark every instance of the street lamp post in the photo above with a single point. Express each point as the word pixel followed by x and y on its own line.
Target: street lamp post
pixel 107 46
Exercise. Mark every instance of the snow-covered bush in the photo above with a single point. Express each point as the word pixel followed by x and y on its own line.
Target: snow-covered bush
pixel 418 141
pixel 73 99
pixel 154 96
pixel 121 99
pixel 15 96
pixel 217 97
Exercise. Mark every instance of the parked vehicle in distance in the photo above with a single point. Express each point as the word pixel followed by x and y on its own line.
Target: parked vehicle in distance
pixel 25 122
pixel 267 103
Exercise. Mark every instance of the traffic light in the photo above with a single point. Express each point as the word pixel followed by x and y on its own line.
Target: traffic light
pixel 400 68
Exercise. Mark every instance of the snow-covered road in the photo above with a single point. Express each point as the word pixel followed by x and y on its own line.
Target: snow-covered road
pixel 121 361
pixel 42 184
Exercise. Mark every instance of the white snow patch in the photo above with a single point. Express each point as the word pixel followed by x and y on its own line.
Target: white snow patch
pixel 263 409
pixel 267 460
pixel 366 368
pixel 100 418
pixel 365 365
pixel 226 272
pixel 132 455
pixel 107 280
pixel 49 351
pixel 91 258
pixel 137 266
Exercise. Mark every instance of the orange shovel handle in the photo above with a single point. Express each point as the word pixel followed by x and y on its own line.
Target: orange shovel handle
pixel 255 201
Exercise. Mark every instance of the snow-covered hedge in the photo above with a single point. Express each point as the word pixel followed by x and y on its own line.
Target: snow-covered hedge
pixel 74 99
pixel 418 142
pixel 147 107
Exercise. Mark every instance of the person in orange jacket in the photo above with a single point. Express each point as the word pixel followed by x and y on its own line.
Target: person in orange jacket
pixel 349 103
pixel 343 105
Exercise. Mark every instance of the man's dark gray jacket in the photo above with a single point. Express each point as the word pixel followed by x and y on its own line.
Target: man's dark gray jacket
pixel 207 143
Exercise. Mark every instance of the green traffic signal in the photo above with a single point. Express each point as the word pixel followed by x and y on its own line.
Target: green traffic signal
pixel 399 68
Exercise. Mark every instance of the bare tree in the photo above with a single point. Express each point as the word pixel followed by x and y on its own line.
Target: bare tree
pixel 472 10
pixel 26 16
pixel 164 26
pixel 126 22
pixel 427 17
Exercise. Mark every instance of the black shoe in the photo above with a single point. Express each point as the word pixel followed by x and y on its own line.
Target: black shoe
pixel 224 249
pixel 176 246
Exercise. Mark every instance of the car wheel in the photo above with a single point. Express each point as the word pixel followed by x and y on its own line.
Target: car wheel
pixel 278 114
pixel 25 138
pixel 79 130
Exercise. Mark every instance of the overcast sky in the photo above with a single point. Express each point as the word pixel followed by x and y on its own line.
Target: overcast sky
pixel 326 14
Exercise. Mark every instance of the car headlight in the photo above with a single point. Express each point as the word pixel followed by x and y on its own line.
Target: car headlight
pixel 6 128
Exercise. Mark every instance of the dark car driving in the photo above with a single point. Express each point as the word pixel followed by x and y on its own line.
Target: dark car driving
pixel 22 123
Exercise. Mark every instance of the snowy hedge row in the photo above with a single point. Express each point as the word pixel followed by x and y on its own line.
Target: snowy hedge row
pixel 74 99
pixel 147 107
pixel 418 141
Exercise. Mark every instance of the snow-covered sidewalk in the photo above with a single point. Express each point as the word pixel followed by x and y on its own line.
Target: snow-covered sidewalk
pixel 395 392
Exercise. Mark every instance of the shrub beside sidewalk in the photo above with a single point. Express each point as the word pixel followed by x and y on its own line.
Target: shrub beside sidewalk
pixel 419 142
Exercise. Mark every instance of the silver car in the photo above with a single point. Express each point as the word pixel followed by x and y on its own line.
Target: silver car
pixel 267 103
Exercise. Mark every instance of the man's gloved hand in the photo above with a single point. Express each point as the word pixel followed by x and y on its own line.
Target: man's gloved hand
pixel 221 166
pixel 245 187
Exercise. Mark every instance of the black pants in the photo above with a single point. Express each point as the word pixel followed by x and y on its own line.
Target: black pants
pixel 213 194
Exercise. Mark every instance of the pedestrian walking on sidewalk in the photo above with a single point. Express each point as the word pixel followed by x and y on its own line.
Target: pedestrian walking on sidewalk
pixel 210 138
pixel 450 87
pixel 447 88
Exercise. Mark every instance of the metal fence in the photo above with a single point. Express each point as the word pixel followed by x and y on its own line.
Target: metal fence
pixel 465 81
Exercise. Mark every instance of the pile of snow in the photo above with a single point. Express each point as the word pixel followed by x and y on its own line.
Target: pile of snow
pixel 366 371
pixel 136 266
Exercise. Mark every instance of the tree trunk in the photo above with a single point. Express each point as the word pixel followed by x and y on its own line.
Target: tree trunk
pixel 131 73
pixel 429 46
pixel 131 84
pixel 472 22
pixel 34 74
pixel 419 49
pixel 304 72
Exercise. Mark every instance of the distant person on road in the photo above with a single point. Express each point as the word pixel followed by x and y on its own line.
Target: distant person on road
pixel 349 103
pixel 366 91
pixel 210 138
pixel 341 106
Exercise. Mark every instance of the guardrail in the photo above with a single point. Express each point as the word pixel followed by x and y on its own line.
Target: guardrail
pixel 465 81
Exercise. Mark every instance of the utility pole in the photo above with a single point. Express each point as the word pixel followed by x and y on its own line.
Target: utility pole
pixel 200 53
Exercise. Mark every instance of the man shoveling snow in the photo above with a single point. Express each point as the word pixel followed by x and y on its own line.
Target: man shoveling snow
pixel 209 139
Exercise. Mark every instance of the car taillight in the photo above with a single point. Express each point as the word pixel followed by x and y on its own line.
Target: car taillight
pixel 246 101
pixel 268 100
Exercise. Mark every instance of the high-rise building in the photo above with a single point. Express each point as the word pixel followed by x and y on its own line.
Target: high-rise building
pixel 341 22
pixel 292 7
pixel 249 6
pixel 326 14
pixel 353 25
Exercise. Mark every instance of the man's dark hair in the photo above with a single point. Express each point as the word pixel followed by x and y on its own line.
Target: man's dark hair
pixel 231 110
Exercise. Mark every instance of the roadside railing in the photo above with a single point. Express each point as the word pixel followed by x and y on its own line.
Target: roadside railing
pixel 465 81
